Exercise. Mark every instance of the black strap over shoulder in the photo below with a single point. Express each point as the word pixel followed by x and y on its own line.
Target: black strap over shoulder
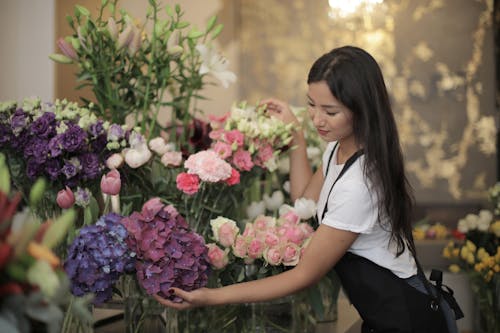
pixel 347 165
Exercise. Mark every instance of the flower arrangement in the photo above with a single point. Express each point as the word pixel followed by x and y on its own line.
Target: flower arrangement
pixel 425 230
pixel 33 285
pixel 61 142
pixel 169 254
pixel 476 251
pixel 97 258
pixel 136 72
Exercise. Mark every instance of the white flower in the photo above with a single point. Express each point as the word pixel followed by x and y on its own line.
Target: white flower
pixel 484 220
pixel 137 157
pixel 158 145
pixel 215 64
pixel 462 226
pixel 114 161
pixel 274 201
pixel 285 209
pixel 471 220
pixel 286 186
pixel 284 165
pixel 305 208
pixel 255 209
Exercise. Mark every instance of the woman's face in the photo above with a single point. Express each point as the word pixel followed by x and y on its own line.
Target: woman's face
pixel 330 117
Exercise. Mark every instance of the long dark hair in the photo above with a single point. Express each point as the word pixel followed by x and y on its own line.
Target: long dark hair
pixel 355 79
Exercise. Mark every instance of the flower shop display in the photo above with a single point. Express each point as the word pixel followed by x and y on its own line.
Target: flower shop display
pixel 33 285
pixel 62 142
pixel 137 68
pixel 476 251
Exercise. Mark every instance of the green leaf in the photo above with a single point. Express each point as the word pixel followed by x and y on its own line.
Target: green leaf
pixel 177 8
pixel 59 228
pixel 195 33
pixel 217 30
pixel 211 23
pixel 169 11
pixel 80 10
pixel 182 24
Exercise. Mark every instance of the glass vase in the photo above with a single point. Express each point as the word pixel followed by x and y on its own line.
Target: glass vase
pixel 144 315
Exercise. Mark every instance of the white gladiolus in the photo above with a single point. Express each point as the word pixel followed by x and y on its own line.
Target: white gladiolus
pixel 255 209
pixel 305 208
pixel 274 201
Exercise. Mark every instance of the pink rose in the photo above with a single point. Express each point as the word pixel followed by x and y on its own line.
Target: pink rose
pixel 235 136
pixel 224 230
pixel 249 230
pixel 291 254
pixel 291 217
pixel 65 198
pixel 255 248
pixel 293 234
pixel 188 183
pixel 222 149
pixel 234 178
pixel 240 247
pixel 271 239
pixel 111 183
pixel 263 222
pixel 243 160
pixel 217 257
pixel 273 255
pixel 173 158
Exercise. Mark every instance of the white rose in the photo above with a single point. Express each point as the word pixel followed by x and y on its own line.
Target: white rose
pixel 463 226
pixel 471 220
pixel 305 208
pixel 484 220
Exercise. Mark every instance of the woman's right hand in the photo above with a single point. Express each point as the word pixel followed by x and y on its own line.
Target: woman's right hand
pixel 189 299
pixel 280 110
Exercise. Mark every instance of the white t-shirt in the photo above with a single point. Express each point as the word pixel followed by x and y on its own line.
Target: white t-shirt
pixel 353 206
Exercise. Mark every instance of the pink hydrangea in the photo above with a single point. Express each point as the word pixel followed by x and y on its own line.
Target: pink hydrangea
pixel 208 166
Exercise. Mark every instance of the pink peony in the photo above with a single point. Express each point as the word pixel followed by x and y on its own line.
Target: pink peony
pixel 111 183
pixel 234 179
pixel 188 183
pixel 243 160
pixel 65 198
pixel 208 166
pixel 173 158
pixel 217 257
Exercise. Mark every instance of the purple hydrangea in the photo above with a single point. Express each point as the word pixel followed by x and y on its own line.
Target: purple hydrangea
pixel 98 257
pixel 168 253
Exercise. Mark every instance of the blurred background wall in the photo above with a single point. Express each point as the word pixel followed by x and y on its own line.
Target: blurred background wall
pixel 438 58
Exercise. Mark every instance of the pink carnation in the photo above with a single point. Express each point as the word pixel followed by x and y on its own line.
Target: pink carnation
pixel 188 183
pixel 243 160
pixel 208 166
pixel 234 179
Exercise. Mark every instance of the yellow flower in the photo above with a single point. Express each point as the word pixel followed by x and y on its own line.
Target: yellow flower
pixel 447 253
pixel 496 268
pixel 478 267
pixel 481 253
pixel 471 246
pixel 495 228
pixel 464 252
pixel 455 252
pixel 470 258
pixel 454 268
pixel 418 234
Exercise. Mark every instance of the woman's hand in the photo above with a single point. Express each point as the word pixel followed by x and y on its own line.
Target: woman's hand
pixel 280 110
pixel 189 299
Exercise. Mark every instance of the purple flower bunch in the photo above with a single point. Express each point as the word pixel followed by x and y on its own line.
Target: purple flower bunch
pixel 61 141
pixel 97 258
pixel 168 253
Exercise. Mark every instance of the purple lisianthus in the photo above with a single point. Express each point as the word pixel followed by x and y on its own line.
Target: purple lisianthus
pixel 168 253
pixel 91 166
pixel 98 257
pixel 82 196
pixel 18 121
pixel 96 129
pixel 43 127
pixel 74 138
pixel 53 168
pixel 71 167
pixel 5 134
pixel 33 168
pixel 115 132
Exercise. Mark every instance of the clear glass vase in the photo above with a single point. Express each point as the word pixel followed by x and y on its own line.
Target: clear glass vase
pixel 144 315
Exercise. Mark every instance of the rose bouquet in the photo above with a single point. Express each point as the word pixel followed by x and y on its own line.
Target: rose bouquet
pixel 476 251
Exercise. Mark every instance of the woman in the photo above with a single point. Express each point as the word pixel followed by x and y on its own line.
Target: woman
pixel 364 205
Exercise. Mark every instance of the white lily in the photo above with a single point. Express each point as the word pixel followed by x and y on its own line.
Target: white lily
pixel 215 64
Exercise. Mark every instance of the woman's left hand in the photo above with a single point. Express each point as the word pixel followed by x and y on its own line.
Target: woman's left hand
pixel 189 299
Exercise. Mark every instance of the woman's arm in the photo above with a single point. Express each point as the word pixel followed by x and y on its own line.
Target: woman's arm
pixel 303 183
pixel 327 246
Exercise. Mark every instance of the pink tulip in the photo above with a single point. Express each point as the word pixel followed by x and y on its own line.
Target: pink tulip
pixel 65 198
pixel 111 183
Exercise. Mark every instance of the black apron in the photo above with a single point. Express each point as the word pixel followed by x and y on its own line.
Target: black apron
pixel 385 302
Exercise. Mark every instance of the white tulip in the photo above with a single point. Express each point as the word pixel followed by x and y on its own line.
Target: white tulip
pixel 275 201
pixel 255 209
pixel 305 208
